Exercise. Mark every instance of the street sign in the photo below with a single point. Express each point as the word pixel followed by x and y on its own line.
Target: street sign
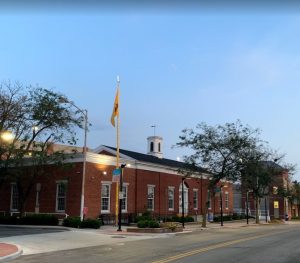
pixel 116 175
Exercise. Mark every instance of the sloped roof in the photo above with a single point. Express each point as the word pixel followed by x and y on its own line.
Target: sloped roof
pixel 155 160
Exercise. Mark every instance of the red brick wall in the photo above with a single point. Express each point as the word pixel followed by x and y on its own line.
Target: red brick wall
pixel 137 181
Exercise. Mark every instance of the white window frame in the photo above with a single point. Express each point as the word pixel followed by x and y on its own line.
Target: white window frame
pixel 209 199
pixel 13 194
pixel 150 186
pixel 195 191
pixel 172 189
pixel 125 186
pixel 109 196
pixel 64 182
pixel 226 200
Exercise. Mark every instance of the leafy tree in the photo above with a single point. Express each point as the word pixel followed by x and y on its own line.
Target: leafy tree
pixel 220 149
pixel 35 119
pixel 258 175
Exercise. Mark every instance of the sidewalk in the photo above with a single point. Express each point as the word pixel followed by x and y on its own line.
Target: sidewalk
pixel 9 251
pixel 13 246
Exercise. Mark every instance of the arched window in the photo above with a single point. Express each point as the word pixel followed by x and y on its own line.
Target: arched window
pixel 159 147
pixel 151 147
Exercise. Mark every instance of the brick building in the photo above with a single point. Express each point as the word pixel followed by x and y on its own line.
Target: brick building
pixel 273 205
pixel 151 183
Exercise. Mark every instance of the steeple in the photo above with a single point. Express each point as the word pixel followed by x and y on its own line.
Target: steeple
pixel 155 146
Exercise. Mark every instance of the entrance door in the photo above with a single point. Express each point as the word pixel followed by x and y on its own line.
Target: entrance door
pixel 185 197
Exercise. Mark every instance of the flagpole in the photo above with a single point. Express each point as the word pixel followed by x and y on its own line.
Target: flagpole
pixel 118 150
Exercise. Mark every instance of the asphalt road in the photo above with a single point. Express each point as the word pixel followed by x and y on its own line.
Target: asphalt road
pixel 277 243
pixel 8 231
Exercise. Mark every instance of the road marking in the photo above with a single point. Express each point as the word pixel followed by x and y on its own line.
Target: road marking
pixel 205 249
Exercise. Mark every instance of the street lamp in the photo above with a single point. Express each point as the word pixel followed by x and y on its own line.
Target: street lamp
pixel 85 116
pixel 182 199
pixel 247 205
pixel 7 136
pixel 120 198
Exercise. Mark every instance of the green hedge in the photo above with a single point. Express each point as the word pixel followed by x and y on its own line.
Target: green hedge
pixel 34 219
pixel 145 216
pixel 75 222
pixel 72 222
pixel 179 219
pixel 148 223
pixel 90 223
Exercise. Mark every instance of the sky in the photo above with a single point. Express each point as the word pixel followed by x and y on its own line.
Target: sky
pixel 176 69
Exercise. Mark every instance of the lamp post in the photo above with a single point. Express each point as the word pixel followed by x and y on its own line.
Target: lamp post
pixel 247 204
pixel 120 198
pixel 85 116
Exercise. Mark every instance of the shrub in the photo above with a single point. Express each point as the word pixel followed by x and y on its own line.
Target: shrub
pixel 179 219
pixel 143 217
pixel 148 223
pixel 9 220
pixel 143 223
pixel 39 219
pixel 170 225
pixel 90 223
pixel 72 222
pixel 153 224
pixel 295 218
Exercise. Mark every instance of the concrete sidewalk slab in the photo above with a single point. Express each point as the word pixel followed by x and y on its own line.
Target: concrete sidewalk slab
pixel 9 251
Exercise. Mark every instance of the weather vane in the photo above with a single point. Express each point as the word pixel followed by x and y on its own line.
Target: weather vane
pixel 154 127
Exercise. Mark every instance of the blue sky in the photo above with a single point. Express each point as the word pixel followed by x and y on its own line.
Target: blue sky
pixel 176 70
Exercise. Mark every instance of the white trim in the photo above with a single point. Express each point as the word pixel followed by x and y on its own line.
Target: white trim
pixel 173 189
pixel 65 197
pixel 11 197
pixel 126 202
pixel 109 150
pixel 149 186
pixel 109 197
pixel 61 181
pixel 226 194
pixel 195 190
pixel 106 182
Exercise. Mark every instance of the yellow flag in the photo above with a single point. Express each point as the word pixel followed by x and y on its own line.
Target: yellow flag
pixel 115 111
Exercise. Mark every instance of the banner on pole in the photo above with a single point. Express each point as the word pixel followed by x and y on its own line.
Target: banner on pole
pixel 116 175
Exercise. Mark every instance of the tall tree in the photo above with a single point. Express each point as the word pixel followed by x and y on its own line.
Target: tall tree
pixel 220 149
pixel 31 119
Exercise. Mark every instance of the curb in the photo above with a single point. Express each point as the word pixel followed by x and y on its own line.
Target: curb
pixel 13 255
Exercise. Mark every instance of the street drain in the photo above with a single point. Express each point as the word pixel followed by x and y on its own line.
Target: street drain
pixel 117 236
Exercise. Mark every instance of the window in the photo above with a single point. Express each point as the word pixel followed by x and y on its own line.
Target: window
pixel 226 200
pixel 150 197
pixel 105 197
pixel 171 198
pixel 14 201
pixel 151 147
pixel 208 200
pixel 124 200
pixel 159 147
pixel 61 190
pixel 195 199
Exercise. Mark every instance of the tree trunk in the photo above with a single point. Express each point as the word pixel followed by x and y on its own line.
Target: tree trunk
pixel 257 210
